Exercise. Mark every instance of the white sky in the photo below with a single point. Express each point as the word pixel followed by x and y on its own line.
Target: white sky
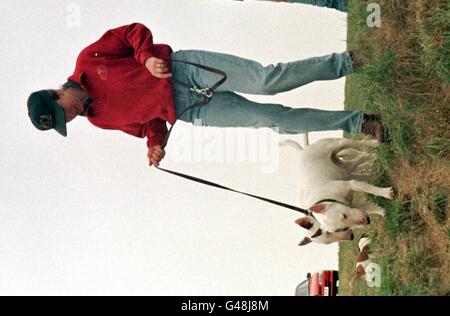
pixel 86 215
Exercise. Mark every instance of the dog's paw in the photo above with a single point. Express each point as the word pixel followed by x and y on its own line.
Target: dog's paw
pixel 373 157
pixel 378 210
pixel 388 193
pixel 372 143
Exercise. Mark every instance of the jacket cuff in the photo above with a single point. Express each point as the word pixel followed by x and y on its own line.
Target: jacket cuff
pixel 156 139
pixel 144 56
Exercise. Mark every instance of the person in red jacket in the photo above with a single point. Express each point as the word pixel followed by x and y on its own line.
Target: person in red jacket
pixel 341 5
pixel 123 82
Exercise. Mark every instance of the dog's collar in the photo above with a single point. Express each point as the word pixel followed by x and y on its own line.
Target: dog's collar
pixel 317 233
pixel 323 201
pixel 315 230
pixel 320 231
pixel 340 230
pixel 329 200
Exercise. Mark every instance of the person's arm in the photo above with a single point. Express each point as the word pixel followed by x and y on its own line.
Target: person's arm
pixel 135 36
pixel 155 131
pixel 139 38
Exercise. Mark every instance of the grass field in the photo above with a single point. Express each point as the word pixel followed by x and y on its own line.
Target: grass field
pixel 406 80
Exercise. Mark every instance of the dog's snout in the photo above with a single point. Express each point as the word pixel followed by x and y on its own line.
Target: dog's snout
pixel 368 220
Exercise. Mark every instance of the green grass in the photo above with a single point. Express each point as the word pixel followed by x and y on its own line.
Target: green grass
pixel 407 81
pixel 439 205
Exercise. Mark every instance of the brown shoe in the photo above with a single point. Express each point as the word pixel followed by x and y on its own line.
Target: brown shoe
pixel 357 62
pixel 372 126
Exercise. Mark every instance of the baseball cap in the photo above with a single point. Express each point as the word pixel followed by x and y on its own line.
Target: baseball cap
pixel 45 113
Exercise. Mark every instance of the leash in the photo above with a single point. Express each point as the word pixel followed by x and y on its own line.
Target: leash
pixel 208 94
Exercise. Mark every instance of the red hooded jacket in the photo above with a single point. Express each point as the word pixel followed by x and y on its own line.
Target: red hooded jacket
pixel 127 96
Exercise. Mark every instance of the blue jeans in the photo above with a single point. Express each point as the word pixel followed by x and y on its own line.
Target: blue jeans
pixel 228 109
pixel 340 5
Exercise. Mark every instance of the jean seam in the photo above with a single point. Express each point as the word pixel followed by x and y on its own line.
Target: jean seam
pixel 360 122
pixel 348 62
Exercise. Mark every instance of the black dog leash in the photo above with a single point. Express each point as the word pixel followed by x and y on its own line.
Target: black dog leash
pixel 208 94
pixel 295 208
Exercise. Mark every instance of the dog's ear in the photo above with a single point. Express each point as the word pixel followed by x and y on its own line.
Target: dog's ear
pixel 305 222
pixel 318 208
pixel 360 271
pixel 364 254
pixel 305 241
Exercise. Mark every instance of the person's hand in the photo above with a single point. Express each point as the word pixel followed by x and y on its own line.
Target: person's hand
pixel 158 67
pixel 155 155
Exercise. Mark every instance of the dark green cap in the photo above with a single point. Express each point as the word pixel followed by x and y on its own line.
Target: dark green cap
pixel 45 113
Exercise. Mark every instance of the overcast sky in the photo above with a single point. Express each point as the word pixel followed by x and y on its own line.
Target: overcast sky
pixel 86 215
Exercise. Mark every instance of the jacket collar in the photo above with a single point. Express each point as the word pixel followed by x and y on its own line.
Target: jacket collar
pixel 76 81
pixel 79 77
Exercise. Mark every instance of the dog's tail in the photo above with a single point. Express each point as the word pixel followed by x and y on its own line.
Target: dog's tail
pixel 291 143
pixel 296 145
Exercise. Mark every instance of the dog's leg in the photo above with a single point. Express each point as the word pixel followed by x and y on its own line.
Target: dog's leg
pixel 352 165
pixel 359 186
pixel 367 143
pixel 371 208
pixel 376 210
pixel 345 143
pixel 356 168
pixel 346 164
pixel 344 188
pixel 359 177
pixel 364 163
pixel 349 152
pixel 361 171
pixel 363 157
pixel 345 147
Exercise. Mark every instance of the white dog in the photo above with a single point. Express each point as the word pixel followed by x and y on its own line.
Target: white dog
pixel 327 182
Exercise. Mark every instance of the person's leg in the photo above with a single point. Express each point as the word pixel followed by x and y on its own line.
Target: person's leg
pixel 340 5
pixel 247 76
pixel 228 109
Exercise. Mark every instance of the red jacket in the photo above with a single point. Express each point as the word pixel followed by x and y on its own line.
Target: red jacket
pixel 126 96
